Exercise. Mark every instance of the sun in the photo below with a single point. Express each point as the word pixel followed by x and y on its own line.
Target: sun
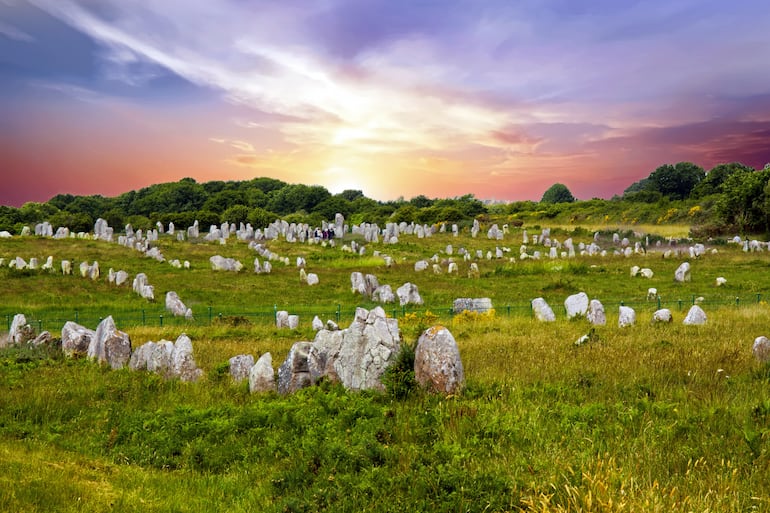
pixel 340 179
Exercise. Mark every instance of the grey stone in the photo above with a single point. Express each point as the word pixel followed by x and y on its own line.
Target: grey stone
pixel 626 316
pixel 437 363
pixel 761 349
pixel 220 263
pixel 76 339
pixel 110 345
pixel 682 273
pixel 576 305
pixel 240 366
pixel 262 375
pixel 695 317
pixel 481 304
pixel 662 315
pixel 358 355
pixel 595 313
pixel 542 310
pixel 293 374
pixel 408 294
pixel 183 363
pixel 20 332
pixel 383 294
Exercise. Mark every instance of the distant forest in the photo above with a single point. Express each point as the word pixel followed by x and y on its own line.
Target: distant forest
pixel 728 199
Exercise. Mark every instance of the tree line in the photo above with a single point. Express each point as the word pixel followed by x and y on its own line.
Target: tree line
pixel 729 198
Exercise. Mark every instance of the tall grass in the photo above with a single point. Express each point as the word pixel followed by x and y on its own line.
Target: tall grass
pixel 647 418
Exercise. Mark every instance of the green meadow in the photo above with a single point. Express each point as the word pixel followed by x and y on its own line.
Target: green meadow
pixel 653 417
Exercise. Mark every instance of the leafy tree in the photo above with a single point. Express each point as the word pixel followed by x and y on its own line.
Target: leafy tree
pixel 641 185
pixel 421 201
pixel 712 182
pixel 9 217
pixel 75 221
pixel 557 193
pixel 236 214
pixel 351 194
pixel 743 204
pixel 206 218
pixel 675 182
pixel 33 213
pixel 222 200
pixel 405 214
pixel 329 207
pixel 260 218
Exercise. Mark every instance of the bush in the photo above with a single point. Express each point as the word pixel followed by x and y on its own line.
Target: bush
pixel 399 378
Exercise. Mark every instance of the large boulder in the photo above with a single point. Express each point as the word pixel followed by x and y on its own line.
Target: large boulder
pixel 76 339
pixel 262 375
pixel 595 313
pixel 110 345
pixel 682 273
pixel 220 263
pixel 293 374
pixel 408 294
pixel 437 364
pixel 183 363
pixel 626 316
pixel 176 307
pixel 480 304
pixel 695 317
pixel 240 366
pixel 383 294
pixel 358 355
pixel 662 315
pixel 20 332
pixel 542 310
pixel 576 305
pixel 761 349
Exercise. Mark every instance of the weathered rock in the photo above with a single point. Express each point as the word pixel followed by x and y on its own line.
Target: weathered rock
pixel 383 294
pixel 761 349
pixel 240 366
pixel 176 307
pixel 662 315
pixel 626 316
pixel 293 374
pixel 66 267
pixel 646 273
pixel 358 355
pixel 262 375
pixel 437 364
pixel 408 294
pixel 44 339
pixel 421 265
pixel 682 272
pixel 183 364
pixel 110 345
pixel 695 317
pixel 481 304
pixel 720 281
pixel 20 332
pixel 138 360
pixel 357 283
pixel 317 324
pixel 220 263
pixel 595 313
pixel 576 305
pixel 542 310
pixel 76 339
pixel 293 322
pixel 312 279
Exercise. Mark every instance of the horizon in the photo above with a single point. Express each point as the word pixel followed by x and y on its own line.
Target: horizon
pixel 395 99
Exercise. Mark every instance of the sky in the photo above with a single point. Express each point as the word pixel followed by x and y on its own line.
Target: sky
pixel 397 98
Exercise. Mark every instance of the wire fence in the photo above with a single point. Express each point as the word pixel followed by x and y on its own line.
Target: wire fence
pixel 53 319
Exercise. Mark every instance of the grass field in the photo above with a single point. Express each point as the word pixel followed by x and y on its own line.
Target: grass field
pixel 646 418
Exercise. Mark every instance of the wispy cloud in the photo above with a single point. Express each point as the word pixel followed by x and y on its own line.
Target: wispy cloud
pixel 14 33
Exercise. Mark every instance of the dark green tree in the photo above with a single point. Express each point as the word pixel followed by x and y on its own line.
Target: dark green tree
pixel 235 214
pixel 557 193
pixel 675 182
pixel 712 182
pixel 743 204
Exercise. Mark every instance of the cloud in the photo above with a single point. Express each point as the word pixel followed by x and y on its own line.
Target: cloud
pixel 14 33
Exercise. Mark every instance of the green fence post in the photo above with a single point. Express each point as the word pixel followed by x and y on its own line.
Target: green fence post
pixel 161 320
pixel 509 310
pixel 39 325
pixel 403 310
pixel 658 302
pixel 395 314
pixel 759 298
pixel 737 301
pixel 680 303
pixel 209 316
pixel 622 303
pixel 693 299
pixel 338 312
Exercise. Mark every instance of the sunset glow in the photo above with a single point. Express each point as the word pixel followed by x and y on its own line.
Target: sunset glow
pixel 498 99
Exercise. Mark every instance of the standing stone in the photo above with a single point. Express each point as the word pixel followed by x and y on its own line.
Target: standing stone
pixel 262 375
pixel 682 273
pixel 662 315
pixel 695 317
pixel 110 345
pixel 139 357
pixel 358 355
pixel 183 363
pixel 576 305
pixel 293 374
pixel 437 364
pixel 293 322
pixel 240 366
pixel 20 332
pixel 595 314
pixel 312 279
pixel 626 316
pixel 317 324
pixel 761 349
pixel 480 305
pixel 282 319
pixel 542 310
pixel 384 294
pixel 408 294
pixel 76 339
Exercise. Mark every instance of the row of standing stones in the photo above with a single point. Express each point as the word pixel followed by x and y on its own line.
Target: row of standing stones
pixel 357 356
